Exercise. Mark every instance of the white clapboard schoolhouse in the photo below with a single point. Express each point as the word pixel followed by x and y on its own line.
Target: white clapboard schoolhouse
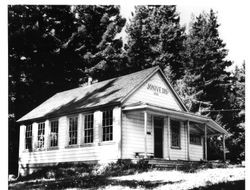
pixel 127 117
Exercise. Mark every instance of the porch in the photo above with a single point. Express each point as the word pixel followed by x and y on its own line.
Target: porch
pixel 165 144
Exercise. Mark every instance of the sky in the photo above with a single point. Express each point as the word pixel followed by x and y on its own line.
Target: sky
pixel 232 20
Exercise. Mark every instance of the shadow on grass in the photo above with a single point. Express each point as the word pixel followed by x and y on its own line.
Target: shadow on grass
pixel 232 185
pixel 90 183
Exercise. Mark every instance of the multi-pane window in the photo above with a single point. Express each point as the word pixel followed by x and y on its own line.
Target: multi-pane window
pixel 175 134
pixel 107 125
pixel 73 125
pixel 88 128
pixel 40 136
pixel 54 133
pixel 28 137
pixel 195 139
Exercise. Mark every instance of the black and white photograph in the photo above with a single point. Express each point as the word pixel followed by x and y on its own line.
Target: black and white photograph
pixel 125 95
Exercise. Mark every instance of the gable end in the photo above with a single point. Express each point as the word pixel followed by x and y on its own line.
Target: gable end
pixel 155 89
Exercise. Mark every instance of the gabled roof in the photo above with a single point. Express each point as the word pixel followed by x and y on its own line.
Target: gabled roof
pixel 109 92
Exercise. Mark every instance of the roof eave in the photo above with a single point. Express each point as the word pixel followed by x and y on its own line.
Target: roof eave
pixel 176 95
pixel 187 115
pixel 69 113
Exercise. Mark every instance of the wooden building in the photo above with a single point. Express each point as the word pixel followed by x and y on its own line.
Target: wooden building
pixel 127 117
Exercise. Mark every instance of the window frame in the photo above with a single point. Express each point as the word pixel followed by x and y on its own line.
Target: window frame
pixel 172 133
pixel 74 131
pixel 107 125
pixel 56 131
pixel 28 135
pixel 88 137
pixel 192 136
pixel 41 136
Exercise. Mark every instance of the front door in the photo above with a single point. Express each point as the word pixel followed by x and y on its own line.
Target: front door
pixel 158 137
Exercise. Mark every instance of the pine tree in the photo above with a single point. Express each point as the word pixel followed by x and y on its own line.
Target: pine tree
pixel 96 43
pixel 236 118
pixel 206 55
pixel 211 83
pixel 155 37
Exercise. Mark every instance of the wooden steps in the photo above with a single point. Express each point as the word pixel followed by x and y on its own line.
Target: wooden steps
pixel 173 164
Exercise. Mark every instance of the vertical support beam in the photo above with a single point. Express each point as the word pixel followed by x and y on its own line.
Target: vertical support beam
pixel 205 141
pixel 62 132
pixel 34 135
pixel 145 132
pixel 21 148
pixel 188 139
pixel 117 130
pixel 224 148
pixel 82 124
pixel 47 134
pixel 97 127
pixel 22 139
pixel 79 129
pixel 168 137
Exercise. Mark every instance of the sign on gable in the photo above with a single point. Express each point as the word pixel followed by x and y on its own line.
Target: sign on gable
pixel 157 89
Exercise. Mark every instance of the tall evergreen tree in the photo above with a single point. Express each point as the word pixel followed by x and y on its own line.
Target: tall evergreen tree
pixel 212 87
pixel 96 42
pixel 236 118
pixel 206 55
pixel 155 37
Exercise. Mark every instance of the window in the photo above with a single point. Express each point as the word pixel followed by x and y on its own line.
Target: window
pixel 107 125
pixel 54 133
pixel 88 129
pixel 175 134
pixel 41 132
pixel 195 139
pixel 28 137
pixel 73 124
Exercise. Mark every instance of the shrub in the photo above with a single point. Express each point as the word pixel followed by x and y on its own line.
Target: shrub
pixel 69 170
pixel 121 167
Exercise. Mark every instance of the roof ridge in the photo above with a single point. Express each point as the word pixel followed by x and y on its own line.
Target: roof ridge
pixel 83 87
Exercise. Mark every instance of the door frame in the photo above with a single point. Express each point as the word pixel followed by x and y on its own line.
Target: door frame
pixel 153 135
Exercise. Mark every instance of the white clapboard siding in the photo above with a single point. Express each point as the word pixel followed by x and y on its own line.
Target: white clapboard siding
pixel 196 152
pixel 62 132
pixel 133 134
pixel 148 96
pixel 34 134
pixel 180 154
pixel 103 152
pixel 133 139
pixel 117 129
pixel 96 151
pixel 22 139
pixel 47 133
pixel 166 140
pixel 97 126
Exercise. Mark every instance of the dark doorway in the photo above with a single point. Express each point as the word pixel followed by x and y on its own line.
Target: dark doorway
pixel 158 137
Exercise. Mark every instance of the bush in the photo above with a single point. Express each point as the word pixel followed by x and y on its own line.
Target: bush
pixel 121 167
pixel 64 170
pixel 69 170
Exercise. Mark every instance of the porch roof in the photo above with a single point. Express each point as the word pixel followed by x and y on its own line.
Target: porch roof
pixel 140 106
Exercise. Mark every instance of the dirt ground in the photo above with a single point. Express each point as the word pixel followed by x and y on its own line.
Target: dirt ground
pixel 218 178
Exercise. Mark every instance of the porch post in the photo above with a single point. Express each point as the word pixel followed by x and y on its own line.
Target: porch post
pixel 188 141
pixel 205 142
pixel 168 137
pixel 224 148
pixel 145 132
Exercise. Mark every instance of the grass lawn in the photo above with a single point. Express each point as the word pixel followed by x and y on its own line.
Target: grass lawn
pixel 204 179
